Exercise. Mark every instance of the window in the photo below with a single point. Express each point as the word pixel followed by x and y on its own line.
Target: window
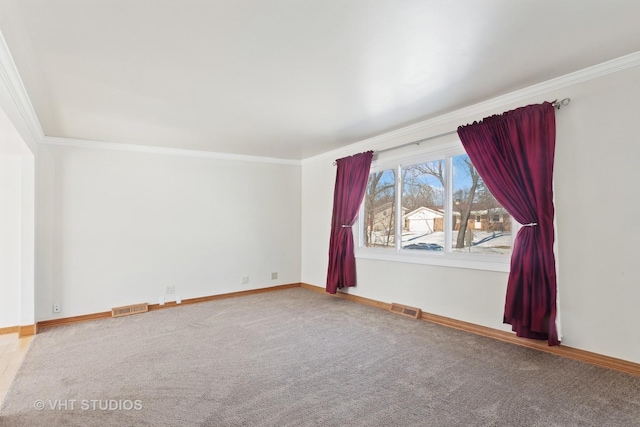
pixel 433 209
pixel 379 210
pixel 423 206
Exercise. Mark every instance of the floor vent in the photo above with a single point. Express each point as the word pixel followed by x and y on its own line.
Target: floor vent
pixel 129 309
pixel 405 310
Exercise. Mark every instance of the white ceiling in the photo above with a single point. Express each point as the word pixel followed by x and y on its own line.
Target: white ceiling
pixel 291 78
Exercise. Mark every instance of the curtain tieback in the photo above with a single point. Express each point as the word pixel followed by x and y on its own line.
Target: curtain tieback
pixel 346 226
pixel 531 224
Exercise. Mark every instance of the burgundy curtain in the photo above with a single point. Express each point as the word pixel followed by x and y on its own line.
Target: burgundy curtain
pixel 351 183
pixel 514 154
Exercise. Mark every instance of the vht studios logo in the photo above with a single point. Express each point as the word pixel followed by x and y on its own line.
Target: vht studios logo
pixel 88 405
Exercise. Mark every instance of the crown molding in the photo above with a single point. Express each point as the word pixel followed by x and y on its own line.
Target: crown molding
pixel 83 143
pixel 461 116
pixel 10 77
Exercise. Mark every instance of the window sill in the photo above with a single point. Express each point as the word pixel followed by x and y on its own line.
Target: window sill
pixel 457 260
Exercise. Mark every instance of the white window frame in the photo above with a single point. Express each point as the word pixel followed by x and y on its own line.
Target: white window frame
pixel 446 258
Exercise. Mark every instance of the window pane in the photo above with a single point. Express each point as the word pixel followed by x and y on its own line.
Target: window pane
pixel 480 223
pixel 423 206
pixel 380 209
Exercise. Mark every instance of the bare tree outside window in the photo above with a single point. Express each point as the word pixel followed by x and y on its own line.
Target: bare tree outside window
pixel 379 209
pixel 467 179
pixel 476 231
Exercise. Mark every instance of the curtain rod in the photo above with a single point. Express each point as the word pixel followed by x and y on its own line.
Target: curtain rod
pixel 557 104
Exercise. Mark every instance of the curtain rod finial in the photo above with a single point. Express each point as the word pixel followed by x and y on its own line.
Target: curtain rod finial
pixel 562 103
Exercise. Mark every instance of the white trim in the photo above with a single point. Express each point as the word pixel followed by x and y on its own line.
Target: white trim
pixel 423 208
pixel 449 222
pixel 540 89
pixel 83 143
pixel 11 78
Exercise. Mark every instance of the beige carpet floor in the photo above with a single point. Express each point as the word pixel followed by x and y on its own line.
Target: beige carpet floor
pixel 298 358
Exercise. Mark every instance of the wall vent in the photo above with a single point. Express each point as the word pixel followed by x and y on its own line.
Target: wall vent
pixel 405 310
pixel 129 309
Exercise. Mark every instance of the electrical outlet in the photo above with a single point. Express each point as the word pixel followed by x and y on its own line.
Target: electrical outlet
pixel 161 301
pixel 178 299
pixel 244 280
pixel 170 289
pixel 56 308
pixel 274 275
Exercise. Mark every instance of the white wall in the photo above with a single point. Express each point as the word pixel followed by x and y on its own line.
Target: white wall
pixel 597 153
pixel 27 236
pixel 9 240
pixel 17 233
pixel 117 227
